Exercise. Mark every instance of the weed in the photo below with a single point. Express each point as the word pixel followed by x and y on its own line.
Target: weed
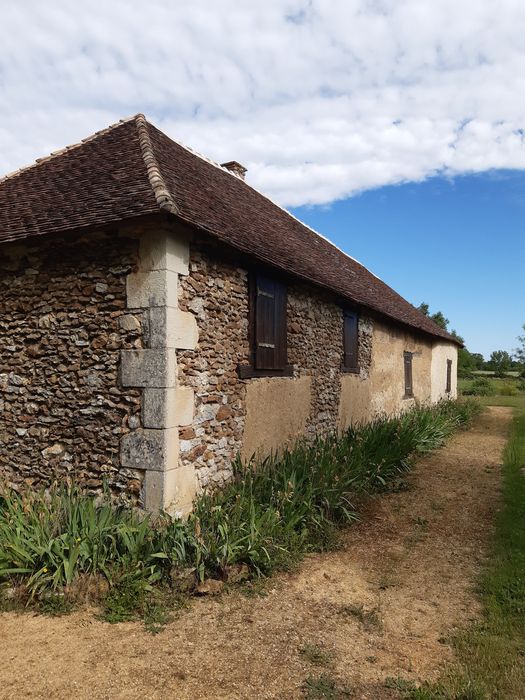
pixel 324 687
pixel 370 619
pixel 386 580
pixel 422 523
pixel 55 605
pixel 315 654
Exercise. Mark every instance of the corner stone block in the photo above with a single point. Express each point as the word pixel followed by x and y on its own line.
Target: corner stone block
pixel 148 368
pixel 173 328
pixel 167 408
pixel 172 491
pixel 164 251
pixel 152 450
pixel 155 288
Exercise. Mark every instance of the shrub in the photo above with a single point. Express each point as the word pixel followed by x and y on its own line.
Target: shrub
pixel 271 514
pixel 507 390
pixel 480 387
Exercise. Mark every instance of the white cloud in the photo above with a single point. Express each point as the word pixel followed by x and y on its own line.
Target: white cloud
pixel 318 99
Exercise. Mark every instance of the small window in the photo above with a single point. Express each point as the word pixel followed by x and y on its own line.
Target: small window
pixel 449 376
pixel 350 341
pixel 409 390
pixel 268 341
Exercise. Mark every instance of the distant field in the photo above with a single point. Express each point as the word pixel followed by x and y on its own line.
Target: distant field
pixel 509 387
pixel 489 373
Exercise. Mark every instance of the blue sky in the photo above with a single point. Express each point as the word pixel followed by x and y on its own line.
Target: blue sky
pixel 346 111
pixel 458 244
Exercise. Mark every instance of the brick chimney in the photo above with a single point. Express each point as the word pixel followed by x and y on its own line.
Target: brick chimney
pixel 235 168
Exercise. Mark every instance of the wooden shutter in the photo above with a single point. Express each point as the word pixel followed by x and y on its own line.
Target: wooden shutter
pixel 270 324
pixel 350 340
pixel 408 374
pixel 449 376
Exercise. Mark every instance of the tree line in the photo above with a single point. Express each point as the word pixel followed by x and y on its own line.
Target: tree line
pixel 500 362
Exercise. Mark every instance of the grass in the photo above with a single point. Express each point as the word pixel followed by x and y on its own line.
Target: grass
pixel 512 386
pixel 272 514
pixel 324 687
pixel 491 653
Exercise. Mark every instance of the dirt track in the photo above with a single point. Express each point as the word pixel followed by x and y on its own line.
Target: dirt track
pixel 379 607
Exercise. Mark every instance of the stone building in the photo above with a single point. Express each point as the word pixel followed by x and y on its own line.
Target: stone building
pixel 158 316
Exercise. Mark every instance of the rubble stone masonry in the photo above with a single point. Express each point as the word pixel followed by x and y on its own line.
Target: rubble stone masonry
pixel 63 323
pixel 216 292
pixel 119 358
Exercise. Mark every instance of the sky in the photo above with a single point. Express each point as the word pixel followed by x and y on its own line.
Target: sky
pixel 395 127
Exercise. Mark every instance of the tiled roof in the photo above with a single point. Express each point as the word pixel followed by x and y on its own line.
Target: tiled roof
pixel 133 169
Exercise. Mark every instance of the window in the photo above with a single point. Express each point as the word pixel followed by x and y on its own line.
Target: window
pixel 268 342
pixel 409 391
pixel 449 376
pixel 350 342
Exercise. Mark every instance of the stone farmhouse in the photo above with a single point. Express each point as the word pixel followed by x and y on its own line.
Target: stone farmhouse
pixel 159 316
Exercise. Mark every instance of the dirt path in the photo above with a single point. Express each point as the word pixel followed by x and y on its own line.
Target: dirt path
pixel 377 608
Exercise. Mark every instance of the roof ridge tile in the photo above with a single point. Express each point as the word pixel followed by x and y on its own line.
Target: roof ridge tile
pixel 164 197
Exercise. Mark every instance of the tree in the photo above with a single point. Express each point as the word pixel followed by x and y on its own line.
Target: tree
pixel 438 317
pixel 500 361
pixel 478 360
pixel 466 362
pixel 520 351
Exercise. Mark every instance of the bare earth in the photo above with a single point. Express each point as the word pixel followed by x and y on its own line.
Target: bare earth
pixel 379 607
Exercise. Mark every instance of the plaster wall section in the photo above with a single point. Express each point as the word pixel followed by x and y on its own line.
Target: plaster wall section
pixel 382 390
pixel 441 352
pixel 387 370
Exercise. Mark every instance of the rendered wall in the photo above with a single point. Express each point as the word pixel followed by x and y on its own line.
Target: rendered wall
pixel 383 392
pixel 441 352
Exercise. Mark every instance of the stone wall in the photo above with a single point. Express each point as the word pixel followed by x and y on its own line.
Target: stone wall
pixel 63 323
pixel 216 292
pixel 119 358
pixel 255 416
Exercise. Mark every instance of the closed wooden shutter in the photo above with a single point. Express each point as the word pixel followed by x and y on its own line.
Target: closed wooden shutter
pixel 270 324
pixel 408 374
pixel 350 341
pixel 449 376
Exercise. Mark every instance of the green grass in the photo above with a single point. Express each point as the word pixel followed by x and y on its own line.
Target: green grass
pixel 517 402
pixel 491 654
pixel 512 386
pixel 272 514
